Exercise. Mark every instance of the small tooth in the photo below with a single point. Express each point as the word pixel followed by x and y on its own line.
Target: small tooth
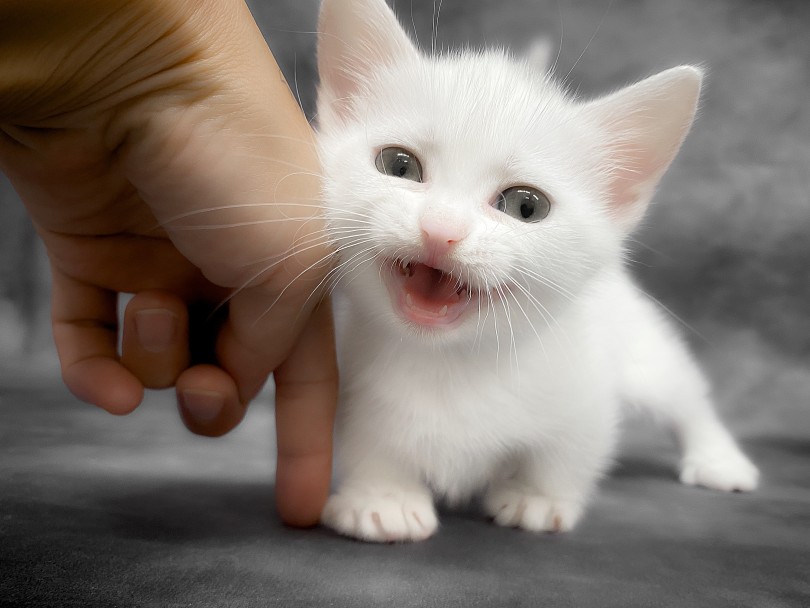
pixel 409 300
pixel 443 311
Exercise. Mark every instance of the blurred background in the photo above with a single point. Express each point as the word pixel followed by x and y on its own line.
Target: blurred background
pixel 726 246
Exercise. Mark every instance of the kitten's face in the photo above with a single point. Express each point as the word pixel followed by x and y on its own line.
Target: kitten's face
pixel 466 197
pixel 466 194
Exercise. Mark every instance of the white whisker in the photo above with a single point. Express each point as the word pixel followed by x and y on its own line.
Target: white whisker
pixel 528 319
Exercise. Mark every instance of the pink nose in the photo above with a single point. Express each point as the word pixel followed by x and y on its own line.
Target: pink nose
pixel 441 235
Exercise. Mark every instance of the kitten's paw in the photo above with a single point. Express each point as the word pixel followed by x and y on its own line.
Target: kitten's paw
pixel 514 506
pixel 729 471
pixel 389 517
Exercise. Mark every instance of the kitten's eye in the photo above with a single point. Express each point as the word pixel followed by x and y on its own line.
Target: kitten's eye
pixel 523 203
pixel 399 163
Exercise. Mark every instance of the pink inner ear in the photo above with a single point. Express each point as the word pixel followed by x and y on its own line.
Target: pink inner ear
pixel 644 126
pixel 355 37
pixel 632 184
pixel 633 181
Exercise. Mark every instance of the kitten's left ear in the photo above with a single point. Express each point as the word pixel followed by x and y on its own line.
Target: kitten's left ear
pixel 355 38
pixel 645 125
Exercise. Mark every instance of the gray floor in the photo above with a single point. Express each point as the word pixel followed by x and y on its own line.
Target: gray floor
pixel 99 511
pixel 135 511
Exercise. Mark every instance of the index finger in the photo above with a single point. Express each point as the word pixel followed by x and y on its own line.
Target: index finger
pixel 306 400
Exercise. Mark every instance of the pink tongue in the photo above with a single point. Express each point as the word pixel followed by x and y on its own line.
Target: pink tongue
pixel 432 285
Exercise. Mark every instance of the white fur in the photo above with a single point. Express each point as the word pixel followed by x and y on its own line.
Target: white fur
pixel 522 399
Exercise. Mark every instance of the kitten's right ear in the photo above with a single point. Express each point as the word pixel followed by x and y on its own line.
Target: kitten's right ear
pixel 644 125
pixel 355 37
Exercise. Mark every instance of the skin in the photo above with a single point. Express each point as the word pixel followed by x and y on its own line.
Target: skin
pixel 133 130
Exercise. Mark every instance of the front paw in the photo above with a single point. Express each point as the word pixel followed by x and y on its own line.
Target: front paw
pixel 729 471
pixel 381 517
pixel 517 506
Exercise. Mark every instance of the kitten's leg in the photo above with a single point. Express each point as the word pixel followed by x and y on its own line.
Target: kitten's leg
pixel 548 490
pixel 661 375
pixel 380 501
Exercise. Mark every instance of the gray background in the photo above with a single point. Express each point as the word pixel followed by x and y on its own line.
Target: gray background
pixel 726 245
pixel 96 510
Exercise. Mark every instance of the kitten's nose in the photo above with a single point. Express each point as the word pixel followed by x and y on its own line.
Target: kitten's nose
pixel 440 235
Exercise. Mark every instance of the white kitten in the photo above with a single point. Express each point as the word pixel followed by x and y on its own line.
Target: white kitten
pixel 490 332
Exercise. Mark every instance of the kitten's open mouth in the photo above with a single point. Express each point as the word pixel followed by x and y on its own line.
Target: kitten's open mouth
pixel 426 295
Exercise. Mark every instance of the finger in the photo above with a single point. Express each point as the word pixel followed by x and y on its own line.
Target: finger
pixel 85 331
pixel 257 336
pixel 208 400
pixel 265 333
pixel 154 343
pixel 306 398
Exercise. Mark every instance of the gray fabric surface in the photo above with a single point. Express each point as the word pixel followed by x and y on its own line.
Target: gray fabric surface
pixel 99 511
pixel 103 511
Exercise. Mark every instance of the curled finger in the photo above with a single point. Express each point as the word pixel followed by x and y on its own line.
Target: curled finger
pixel 154 344
pixel 208 400
pixel 85 331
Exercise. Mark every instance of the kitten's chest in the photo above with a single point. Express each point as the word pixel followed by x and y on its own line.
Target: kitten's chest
pixel 455 418
pixel 443 405
pixel 454 427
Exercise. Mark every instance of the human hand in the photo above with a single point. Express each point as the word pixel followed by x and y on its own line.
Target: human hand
pixel 159 152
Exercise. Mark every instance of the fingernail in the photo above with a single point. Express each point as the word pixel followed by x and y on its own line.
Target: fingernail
pixel 202 406
pixel 156 328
